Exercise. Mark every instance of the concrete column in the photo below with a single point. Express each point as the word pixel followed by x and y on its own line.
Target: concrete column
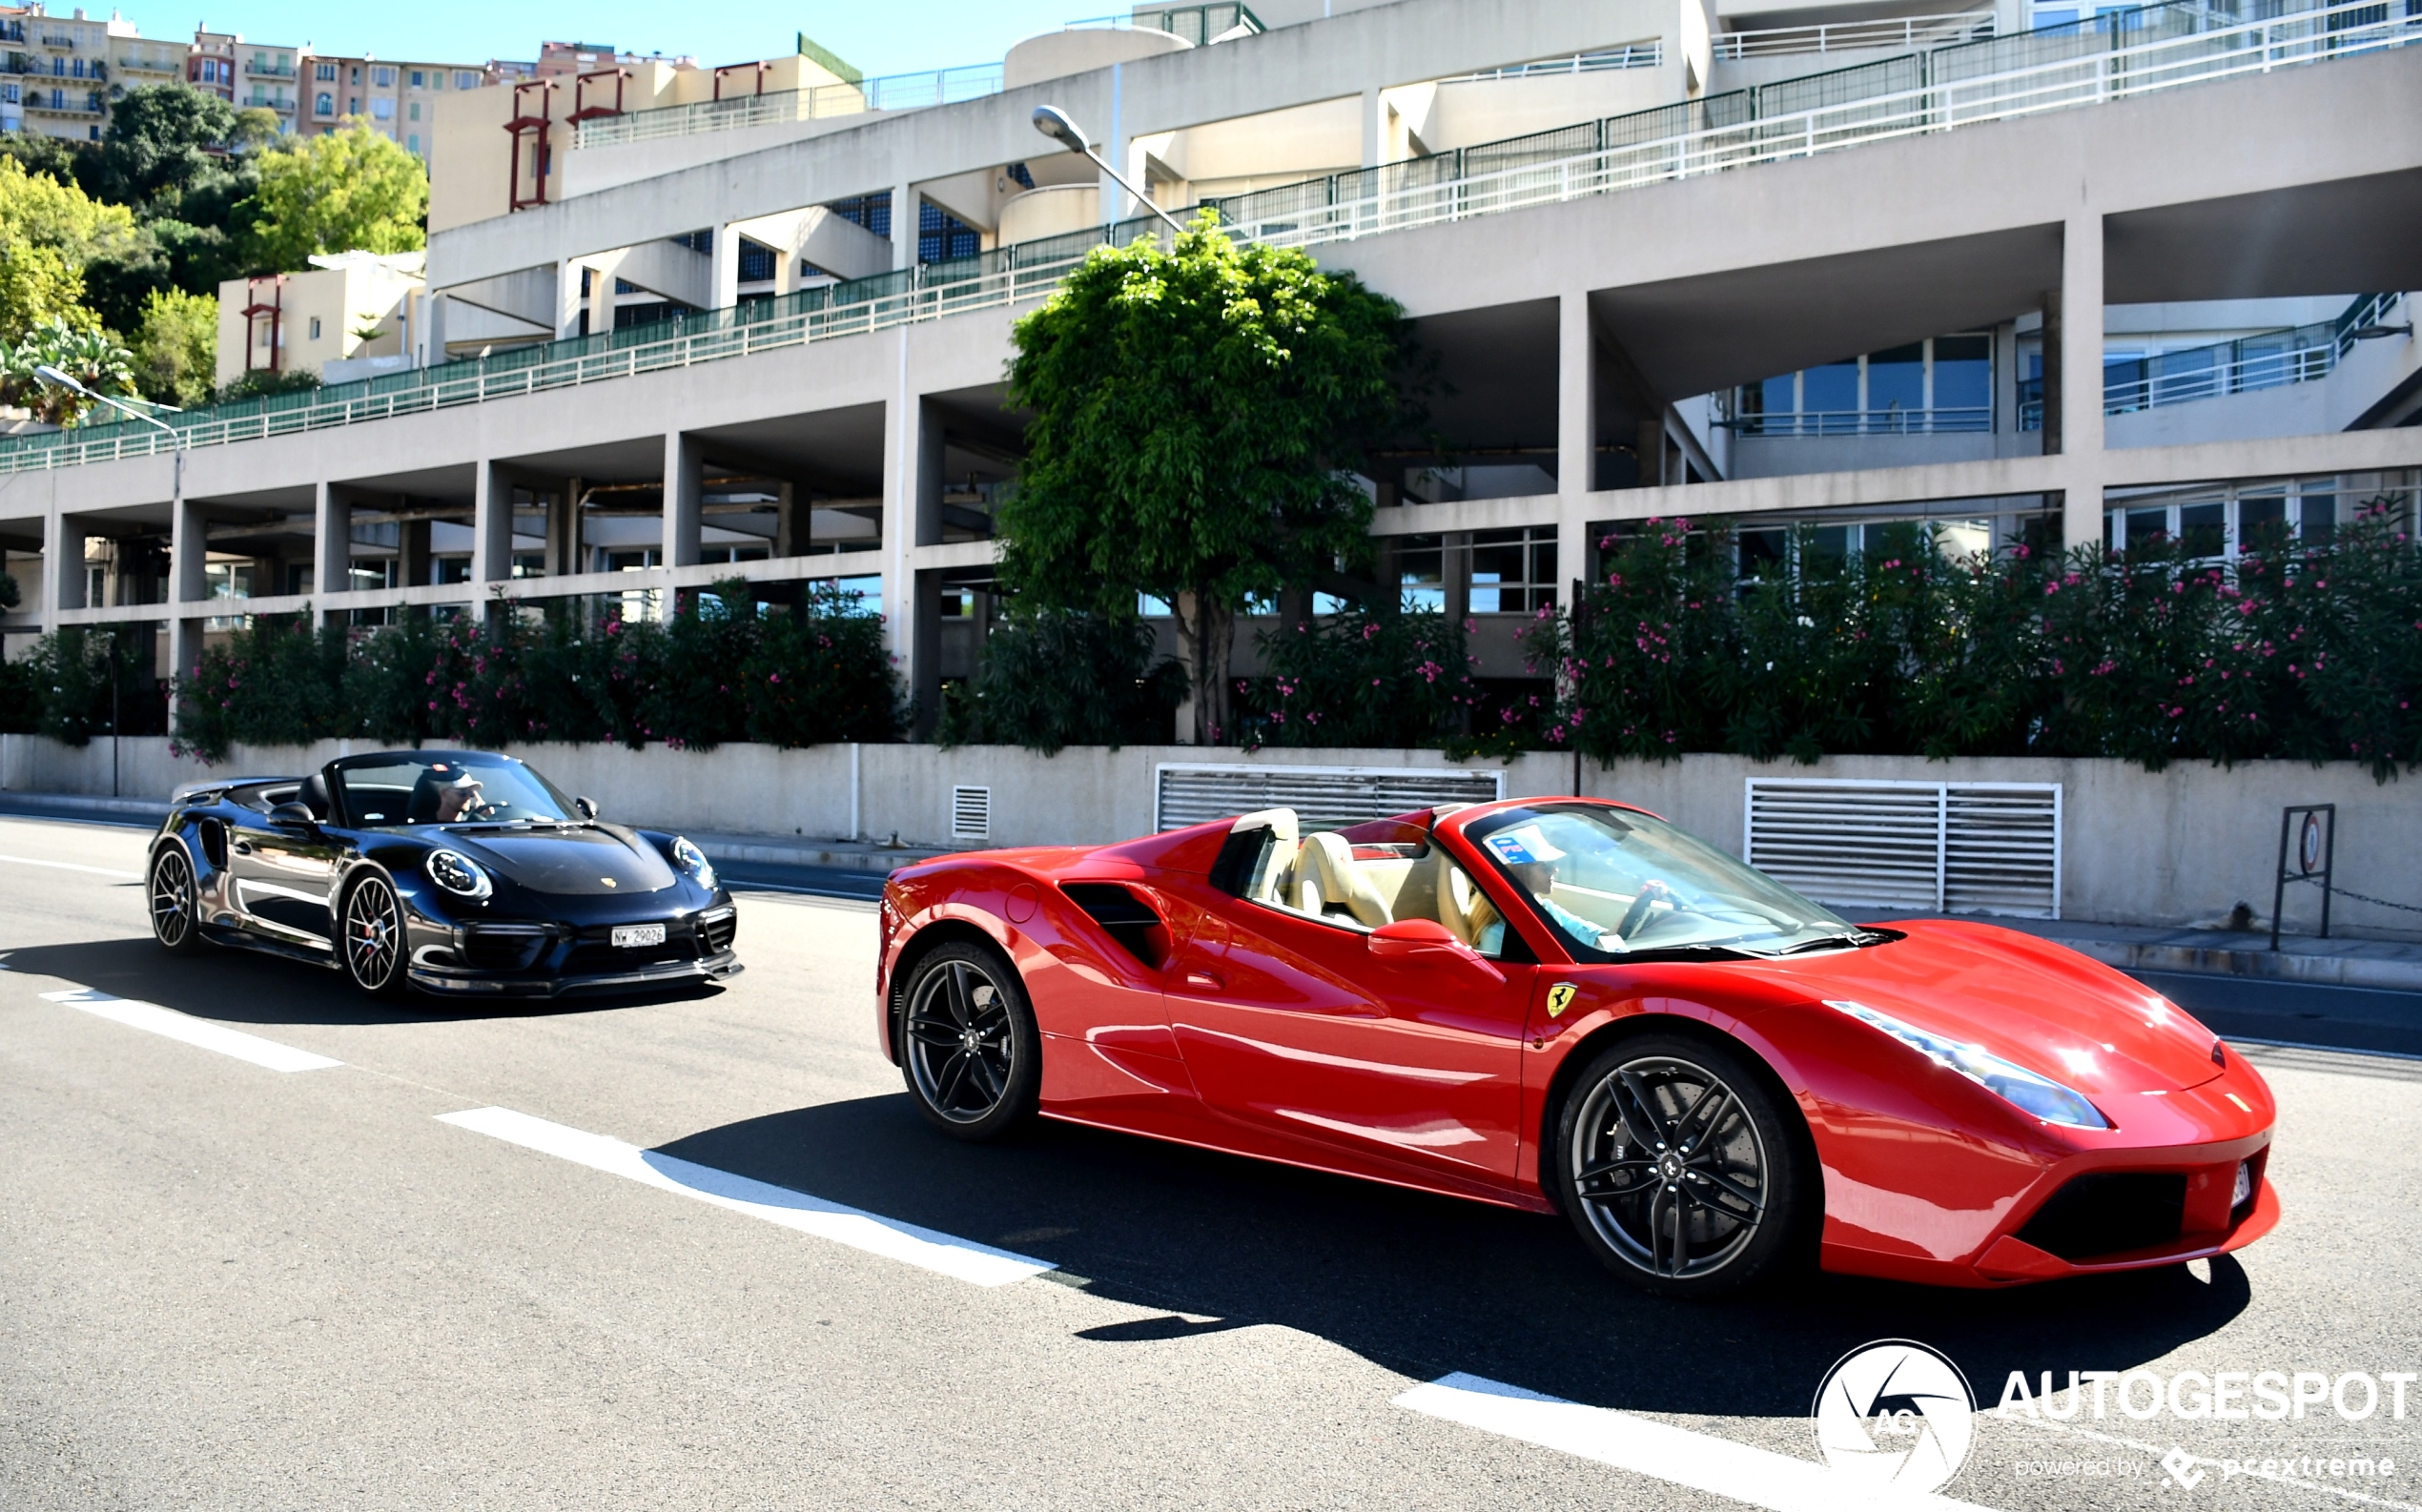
pixel 1455 572
pixel 925 655
pixel 1651 446
pixel 2081 365
pixel 188 583
pixel 433 331
pixel 726 255
pixel 412 554
pixel 563 529
pixel 904 203
pixel 684 483
pixel 491 527
pixel 331 547
pixel 568 304
pixel 911 516
pixel 789 521
pixel 1113 147
pixel 62 567
pixel 1374 127
pixel 1576 434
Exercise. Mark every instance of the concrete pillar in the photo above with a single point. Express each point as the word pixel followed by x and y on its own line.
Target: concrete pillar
pixel 491 527
pixel 925 655
pixel 188 584
pixel 62 567
pixel 904 203
pixel 563 529
pixel 1113 147
pixel 725 252
pixel 412 553
pixel 911 517
pixel 685 469
pixel 1374 127
pixel 331 547
pixel 789 521
pixel 568 299
pixel 433 331
pixel 2080 311
pixel 1651 446
pixel 1576 435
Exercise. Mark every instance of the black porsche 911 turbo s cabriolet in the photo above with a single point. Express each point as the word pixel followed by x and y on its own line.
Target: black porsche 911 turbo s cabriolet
pixel 458 872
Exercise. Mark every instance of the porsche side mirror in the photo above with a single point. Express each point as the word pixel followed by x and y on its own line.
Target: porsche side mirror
pixel 586 806
pixel 296 815
pixel 1410 937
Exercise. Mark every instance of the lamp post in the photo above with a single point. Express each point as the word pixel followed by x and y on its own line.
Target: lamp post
pixel 53 377
pixel 1053 122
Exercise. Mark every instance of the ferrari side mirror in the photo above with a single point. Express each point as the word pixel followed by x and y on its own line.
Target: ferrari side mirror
pixel 1413 937
pixel 586 806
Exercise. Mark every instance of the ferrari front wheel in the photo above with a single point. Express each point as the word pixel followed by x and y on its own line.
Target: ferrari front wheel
pixel 969 1049
pixel 1682 1167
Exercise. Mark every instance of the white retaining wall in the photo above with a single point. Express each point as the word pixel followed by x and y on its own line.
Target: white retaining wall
pixel 2174 847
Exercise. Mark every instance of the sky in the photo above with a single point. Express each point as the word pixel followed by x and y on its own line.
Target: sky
pixel 879 36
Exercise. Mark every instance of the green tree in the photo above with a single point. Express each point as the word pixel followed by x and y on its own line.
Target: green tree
pixel 177 347
pixel 350 190
pixel 53 158
pixel 1196 412
pixel 49 233
pixel 161 139
pixel 91 357
pixel 1055 678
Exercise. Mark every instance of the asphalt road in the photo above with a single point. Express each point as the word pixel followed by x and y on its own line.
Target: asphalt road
pixel 225 1285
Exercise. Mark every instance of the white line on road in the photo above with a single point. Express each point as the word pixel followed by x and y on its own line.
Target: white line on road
pixel 201 1031
pixel 1701 1461
pixel 872 1233
pixel 70 865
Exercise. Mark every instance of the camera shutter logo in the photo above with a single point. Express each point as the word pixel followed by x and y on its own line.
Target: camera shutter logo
pixel 1897 1413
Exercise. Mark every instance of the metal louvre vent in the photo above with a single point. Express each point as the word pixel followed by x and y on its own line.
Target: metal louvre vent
pixel 1943 847
pixel 971 813
pixel 1323 797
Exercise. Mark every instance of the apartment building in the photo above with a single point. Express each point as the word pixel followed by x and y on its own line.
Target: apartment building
pixel 62 71
pixel 398 100
pixel 349 315
pixel 2146 272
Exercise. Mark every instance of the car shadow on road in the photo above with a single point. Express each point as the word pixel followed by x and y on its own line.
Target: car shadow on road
pixel 1423 1284
pixel 248 986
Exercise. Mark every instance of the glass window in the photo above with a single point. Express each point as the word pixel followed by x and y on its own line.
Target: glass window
pixel 1826 548
pixel 1963 372
pixel 1777 395
pixel 414 109
pixel 464 80
pixel 2147 527
pixel 1611 884
pixel 383 78
pixel 1151 608
pixel 325 72
pixel 1897 379
pixel 1420 572
pixel 325 105
pixel 1380 872
pixel 411 144
pixel 1831 388
pixel 382 108
pixel 2317 519
pixel 1762 553
pixel 1513 571
pixel 447 788
pixel 419 79
pixel 2204 528
pixel 2261 523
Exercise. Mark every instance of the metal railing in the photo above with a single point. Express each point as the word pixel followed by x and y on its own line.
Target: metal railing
pixel 1201 25
pixel 897 92
pixel 2055 69
pixel 1960 420
pixel 1647 55
pixel 2266 360
pixel 1905 32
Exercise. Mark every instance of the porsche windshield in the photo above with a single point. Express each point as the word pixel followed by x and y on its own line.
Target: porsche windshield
pixel 1615 882
pixel 449 788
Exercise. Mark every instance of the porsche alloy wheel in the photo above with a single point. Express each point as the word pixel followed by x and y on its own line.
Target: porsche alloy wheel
pixel 373 939
pixel 1679 1166
pixel 175 915
pixel 967 1045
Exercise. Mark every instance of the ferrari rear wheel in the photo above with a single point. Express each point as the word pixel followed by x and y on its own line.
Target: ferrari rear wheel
pixel 969 1049
pixel 371 938
pixel 176 908
pixel 1681 1167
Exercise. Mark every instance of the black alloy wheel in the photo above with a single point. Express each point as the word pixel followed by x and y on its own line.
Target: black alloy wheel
pixel 1681 1166
pixel 969 1049
pixel 176 908
pixel 372 939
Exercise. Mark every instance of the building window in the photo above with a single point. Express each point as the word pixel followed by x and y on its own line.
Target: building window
pixel 383 78
pixel 416 110
pixel 324 105
pixel 420 80
pixel 325 72
pixel 756 263
pixel 1513 571
pixel 942 236
pixel 411 144
pixel 464 80
pixel 1926 387
pixel 353 105
pixel 1420 574
pixel 314 328
pixel 867 211
pixel 382 108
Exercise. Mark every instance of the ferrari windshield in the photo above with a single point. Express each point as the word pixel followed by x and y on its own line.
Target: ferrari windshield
pixel 1615 882
pixel 448 788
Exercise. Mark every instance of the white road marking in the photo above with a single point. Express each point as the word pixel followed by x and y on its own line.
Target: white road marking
pixel 70 865
pixel 173 1024
pixel 871 1232
pixel 1702 1462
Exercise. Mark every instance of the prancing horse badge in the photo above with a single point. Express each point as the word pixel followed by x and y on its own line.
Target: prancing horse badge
pixel 1560 997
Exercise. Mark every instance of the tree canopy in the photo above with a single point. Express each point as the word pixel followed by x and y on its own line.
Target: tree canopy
pixel 1197 415
pixel 351 190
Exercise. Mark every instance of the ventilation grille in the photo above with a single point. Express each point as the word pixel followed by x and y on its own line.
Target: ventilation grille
pixel 1943 847
pixel 1323 797
pixel 971 813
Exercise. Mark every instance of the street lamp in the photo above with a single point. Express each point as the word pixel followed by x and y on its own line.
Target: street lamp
pixel 55 378
pixel 1053 122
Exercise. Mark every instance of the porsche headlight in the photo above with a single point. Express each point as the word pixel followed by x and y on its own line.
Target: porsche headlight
pixel 694 861
pixel 459 875
pixel 2039 1096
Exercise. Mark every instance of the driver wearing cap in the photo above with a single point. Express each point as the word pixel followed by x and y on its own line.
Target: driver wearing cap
pixel 1531 861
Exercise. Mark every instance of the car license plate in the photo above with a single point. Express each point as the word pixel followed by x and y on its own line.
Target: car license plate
pixel 630 936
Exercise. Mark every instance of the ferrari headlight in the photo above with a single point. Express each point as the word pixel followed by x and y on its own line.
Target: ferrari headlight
pixel 459 875
pixel 2039 1096
pixel 694 861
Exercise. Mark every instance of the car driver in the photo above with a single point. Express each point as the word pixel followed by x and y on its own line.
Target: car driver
pixel 457 798
pixel 1531 860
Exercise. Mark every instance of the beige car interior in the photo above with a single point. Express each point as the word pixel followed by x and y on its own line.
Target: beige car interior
pixel 1320 876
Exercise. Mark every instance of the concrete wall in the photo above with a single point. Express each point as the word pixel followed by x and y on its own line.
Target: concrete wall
pixel 2175 848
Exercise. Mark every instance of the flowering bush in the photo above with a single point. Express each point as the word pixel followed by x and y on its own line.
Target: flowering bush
pixel 718 670
pixel 1053 678
pixel 1359 678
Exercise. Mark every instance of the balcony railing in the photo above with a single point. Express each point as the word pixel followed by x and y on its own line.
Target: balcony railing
pixel 2055 69
pixel 1905 32
pixel 2268 360
pixel 1949 421
pixel 1201 25
pixel 898 92
pixel 1647 55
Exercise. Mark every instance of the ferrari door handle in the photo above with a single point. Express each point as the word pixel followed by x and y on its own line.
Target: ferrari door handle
pixel 1205 980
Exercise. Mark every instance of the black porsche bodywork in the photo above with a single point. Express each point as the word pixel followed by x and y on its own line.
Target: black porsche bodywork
pixel 265 878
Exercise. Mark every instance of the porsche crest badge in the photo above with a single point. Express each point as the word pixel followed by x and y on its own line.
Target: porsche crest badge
pixel 1560 997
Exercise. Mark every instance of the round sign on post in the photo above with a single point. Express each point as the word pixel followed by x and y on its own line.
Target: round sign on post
pixel 2309 845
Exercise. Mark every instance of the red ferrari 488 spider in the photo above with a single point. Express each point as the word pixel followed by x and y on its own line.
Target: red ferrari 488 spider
pixel 1573 1006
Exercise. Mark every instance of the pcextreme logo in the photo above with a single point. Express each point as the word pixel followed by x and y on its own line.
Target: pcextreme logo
pixel 1895 1412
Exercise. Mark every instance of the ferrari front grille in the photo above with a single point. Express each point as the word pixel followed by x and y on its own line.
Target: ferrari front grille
pixel 2107 1212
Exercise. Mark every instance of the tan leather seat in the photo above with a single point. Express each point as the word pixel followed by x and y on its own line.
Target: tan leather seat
pixel 1326 873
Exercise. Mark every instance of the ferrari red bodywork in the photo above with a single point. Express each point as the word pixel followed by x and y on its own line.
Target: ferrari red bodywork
pixel 1172 1008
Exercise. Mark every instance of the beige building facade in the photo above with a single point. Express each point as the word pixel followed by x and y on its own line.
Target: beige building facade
pixel 351 311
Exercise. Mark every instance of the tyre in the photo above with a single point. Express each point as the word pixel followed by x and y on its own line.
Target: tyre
pixel 969 1050
pixel 175 902
pixel 1684 1169
pixel 371 939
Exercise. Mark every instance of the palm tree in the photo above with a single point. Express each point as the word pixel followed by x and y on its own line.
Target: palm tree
pixel 91 357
